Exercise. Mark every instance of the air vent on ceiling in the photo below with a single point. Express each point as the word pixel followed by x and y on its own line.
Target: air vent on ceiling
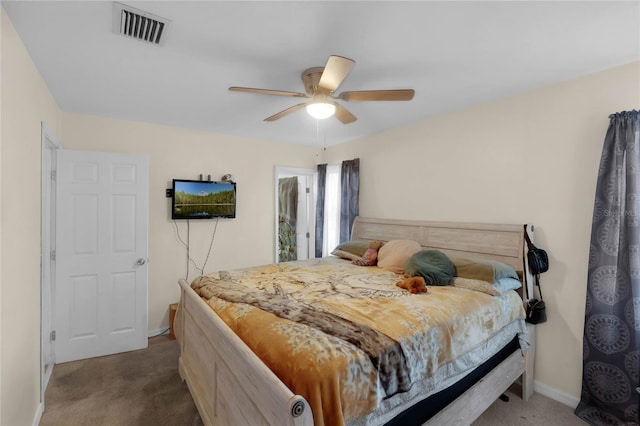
pixel 135 23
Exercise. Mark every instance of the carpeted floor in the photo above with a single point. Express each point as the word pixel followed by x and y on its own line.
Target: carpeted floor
pixel 144 388
pixel 132 388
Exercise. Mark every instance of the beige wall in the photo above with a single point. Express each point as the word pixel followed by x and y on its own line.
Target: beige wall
pixel 26 102
pixel 185 154
pixel 532 158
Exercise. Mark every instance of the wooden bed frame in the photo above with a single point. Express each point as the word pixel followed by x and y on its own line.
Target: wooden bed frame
pixel 231 385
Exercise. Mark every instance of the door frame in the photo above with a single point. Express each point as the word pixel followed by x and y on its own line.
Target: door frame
pixel 50 144
pixel 280 172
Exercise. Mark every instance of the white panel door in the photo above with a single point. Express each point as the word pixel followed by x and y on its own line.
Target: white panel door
pixel 101 254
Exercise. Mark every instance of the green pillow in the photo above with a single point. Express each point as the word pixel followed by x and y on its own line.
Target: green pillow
pixel 485 270
pixel 432 265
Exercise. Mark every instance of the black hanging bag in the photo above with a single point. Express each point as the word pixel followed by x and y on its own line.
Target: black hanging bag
pixel 536 311
pixel 538 263
pixel 538 259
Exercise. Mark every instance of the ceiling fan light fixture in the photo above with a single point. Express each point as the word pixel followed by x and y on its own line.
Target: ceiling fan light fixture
pixel 320 84
pixel 321 110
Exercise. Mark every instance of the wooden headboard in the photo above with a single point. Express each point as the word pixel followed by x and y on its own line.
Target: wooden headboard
pixel 500 242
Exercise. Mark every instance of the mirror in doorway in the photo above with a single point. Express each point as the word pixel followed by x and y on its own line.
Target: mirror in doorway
pixel 287 208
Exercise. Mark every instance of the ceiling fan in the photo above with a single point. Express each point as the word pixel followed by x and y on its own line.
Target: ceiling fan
pixel 320 83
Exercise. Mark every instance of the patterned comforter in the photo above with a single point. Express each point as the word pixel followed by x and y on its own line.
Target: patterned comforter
pixel 346 338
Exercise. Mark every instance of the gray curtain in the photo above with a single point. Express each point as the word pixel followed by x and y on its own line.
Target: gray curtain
pixel 322 183
pixel 349 194
pixel 611 345
pixel 288 214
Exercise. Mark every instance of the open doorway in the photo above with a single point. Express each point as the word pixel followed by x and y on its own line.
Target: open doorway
pixel 50 146
pixel 295 213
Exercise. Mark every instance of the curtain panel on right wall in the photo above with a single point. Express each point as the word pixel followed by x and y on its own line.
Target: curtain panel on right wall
pixel 320 194
pixel 611 345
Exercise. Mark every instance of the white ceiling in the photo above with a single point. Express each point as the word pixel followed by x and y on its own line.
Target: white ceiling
pixel 454 54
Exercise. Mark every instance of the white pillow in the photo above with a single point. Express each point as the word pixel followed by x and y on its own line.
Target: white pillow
pixel 505 284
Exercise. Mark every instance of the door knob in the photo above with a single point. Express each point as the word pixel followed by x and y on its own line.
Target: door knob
pixel 141 261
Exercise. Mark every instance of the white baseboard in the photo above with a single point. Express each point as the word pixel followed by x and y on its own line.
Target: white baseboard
pixel 38 416
pixel 555 394
pixel 48 372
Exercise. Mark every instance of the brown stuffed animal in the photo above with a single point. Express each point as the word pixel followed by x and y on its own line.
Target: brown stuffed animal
pixel 415 285
pixel 370 257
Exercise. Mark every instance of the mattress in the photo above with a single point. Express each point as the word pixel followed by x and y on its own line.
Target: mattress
pixel 350 341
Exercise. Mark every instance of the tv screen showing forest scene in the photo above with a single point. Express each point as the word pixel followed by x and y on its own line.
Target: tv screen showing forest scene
pixel 195 199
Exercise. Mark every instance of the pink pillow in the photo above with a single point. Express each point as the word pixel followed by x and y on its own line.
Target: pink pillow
pixel 393 254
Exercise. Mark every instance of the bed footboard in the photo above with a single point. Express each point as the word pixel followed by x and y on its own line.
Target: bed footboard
pixel 228 382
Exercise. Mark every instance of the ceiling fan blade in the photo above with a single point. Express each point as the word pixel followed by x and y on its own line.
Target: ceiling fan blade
pixel 378 95
pixel 335 71
pixel 344 115
pixel 268 92
pixel 287 111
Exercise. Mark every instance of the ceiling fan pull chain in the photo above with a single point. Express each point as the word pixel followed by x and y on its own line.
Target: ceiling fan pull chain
pixel 324 141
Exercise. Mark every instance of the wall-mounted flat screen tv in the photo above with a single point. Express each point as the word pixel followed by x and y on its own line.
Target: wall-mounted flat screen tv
pixel 196 199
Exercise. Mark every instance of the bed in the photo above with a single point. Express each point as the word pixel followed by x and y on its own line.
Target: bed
pixel 232 385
